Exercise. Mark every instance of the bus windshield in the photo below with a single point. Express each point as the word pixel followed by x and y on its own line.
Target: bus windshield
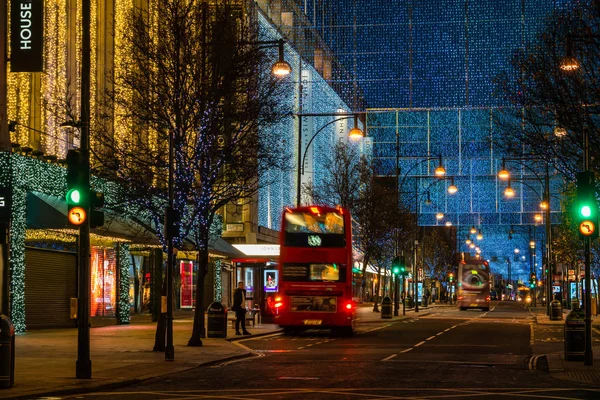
pixel 314 228
pixel 304 222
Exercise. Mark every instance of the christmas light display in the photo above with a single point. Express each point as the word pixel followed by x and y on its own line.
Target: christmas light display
pixel 124 257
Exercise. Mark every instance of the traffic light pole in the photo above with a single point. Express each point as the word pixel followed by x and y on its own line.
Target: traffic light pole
pixel 549 266
pixel 396 302
pixel 83 366
pixel 588 357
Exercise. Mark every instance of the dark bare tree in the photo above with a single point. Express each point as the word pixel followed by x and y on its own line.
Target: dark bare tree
pixel 543 97
pixel 191 78
pixel 341 183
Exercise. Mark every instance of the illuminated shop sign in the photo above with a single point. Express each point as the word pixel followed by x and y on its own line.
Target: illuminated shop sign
pixel 26 40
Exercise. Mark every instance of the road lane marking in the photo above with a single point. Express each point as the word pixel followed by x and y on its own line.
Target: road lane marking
pixel 531 336
pixel 390 357
pixel 419 344
pixel 405 351
pixel 430 337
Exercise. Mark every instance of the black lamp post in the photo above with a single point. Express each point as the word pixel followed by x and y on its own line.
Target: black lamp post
pixel 83 366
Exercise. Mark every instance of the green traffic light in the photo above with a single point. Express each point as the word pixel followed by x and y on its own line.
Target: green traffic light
pixel 585 211
pixel 396 270
pixel 74 196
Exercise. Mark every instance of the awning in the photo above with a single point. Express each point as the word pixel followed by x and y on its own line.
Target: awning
pixel 50 212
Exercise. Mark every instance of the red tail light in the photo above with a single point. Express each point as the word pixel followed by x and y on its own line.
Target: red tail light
pixel 349 306
pixel 487 298
pixel 278 302
pixel 460 297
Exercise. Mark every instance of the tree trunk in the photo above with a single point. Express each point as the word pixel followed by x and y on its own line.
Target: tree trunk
pixel 376 294
pixel 160 338
pixel 198 329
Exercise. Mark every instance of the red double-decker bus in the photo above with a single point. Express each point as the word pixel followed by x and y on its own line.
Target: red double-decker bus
pixel 315 270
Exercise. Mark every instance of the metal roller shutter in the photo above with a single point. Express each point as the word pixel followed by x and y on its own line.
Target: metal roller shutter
pixel 50 283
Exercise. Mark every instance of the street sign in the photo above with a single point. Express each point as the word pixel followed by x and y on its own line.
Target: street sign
pixel 76 216
pixel 587 228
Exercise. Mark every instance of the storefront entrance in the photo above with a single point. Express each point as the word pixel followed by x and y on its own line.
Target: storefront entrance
pixel 261 281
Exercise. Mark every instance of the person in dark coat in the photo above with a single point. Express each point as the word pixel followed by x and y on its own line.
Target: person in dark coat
pixel 239 306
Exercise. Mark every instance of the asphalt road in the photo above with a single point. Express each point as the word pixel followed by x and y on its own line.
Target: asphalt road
pixel 446 354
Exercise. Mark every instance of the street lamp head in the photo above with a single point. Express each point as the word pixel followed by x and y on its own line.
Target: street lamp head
pixel 452 189
pixel 503 174
pixel 479 235
pixel 355 133
pixel 473 230
pixel 439 216
pixel 281 68
pixel 569 64
pixel 509 191
pixel 440 170
pixel 448 223
pixel 560 132
pixel 538 218
pixel 532 244
pixel 544 205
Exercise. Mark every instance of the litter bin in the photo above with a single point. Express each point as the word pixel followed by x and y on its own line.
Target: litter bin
pixel 386 307
pixel 7 353
pixel 574 304
pixel 575 335
pixel 555 310
pixel 217 320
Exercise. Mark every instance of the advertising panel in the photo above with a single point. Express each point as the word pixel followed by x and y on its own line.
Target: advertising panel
pixel 103 282
pixel 313 303
pixel 271 280
pixel 186 269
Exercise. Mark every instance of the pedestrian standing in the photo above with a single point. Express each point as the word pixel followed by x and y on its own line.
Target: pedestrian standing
pixel 239 306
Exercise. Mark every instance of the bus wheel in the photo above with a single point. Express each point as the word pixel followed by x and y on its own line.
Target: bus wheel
pixel 346 331
pixel 463 308
pixel 287 331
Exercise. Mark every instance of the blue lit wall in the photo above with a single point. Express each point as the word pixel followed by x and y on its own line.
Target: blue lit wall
pixel 464 138
pixel 427 53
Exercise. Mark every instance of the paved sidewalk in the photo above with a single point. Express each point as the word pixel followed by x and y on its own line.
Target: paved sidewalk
pixel 554 353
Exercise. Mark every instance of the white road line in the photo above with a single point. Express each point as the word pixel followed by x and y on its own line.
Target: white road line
pixel 390 357
pixel 438 334
pixel 406 351
pixel 419 344
pixel 430 337
pixel 531 336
